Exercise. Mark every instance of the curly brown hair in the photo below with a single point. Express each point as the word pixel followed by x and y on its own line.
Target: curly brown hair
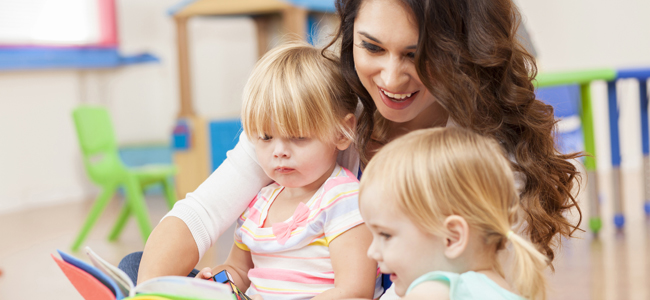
pixel 468 56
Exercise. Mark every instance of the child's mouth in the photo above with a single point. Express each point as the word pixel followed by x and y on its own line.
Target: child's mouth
pixel 284 170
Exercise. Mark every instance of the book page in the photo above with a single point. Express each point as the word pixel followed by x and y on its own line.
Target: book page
pixel 122 280
pixel 187 287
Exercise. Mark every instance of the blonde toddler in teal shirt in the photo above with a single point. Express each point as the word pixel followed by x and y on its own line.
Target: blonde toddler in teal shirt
pixel 441 203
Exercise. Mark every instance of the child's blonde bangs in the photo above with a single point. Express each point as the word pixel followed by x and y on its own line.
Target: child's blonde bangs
pixel 279 109
pixel 292 93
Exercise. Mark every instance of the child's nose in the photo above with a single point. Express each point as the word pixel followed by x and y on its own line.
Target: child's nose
pixel 281 150
pixel 373 253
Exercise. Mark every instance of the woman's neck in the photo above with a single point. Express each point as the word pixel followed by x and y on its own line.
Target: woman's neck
pixel 433 116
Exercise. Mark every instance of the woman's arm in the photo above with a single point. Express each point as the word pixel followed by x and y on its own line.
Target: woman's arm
pixel 170 250
pixel 354 273
pixel 179 241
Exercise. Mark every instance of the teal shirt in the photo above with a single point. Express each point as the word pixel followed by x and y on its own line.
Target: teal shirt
pixel 469 285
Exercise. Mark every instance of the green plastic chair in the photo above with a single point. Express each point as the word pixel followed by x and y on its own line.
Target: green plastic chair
pixel 105 168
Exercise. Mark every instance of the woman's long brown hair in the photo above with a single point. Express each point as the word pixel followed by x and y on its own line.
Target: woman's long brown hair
pixel 469 58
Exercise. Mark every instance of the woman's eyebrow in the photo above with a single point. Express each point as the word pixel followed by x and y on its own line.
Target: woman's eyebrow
pixel 370 37
pixel 374 39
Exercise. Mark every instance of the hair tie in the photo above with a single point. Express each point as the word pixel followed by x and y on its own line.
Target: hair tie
pixel 509 234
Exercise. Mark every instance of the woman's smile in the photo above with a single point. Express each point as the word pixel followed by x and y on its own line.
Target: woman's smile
pixel 397 101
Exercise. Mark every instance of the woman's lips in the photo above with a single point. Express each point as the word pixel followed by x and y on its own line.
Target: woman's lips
pixel 397 104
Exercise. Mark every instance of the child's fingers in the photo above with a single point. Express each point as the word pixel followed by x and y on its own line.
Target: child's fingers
pixel 205 273
pixel 257 297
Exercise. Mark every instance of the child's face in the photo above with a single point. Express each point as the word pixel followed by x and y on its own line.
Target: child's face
pixel 295 162
pixel 400 247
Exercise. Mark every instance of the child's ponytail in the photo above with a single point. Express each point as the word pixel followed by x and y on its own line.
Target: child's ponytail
pixel 529 268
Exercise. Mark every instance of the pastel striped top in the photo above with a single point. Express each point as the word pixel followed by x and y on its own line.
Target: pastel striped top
pixel 297 264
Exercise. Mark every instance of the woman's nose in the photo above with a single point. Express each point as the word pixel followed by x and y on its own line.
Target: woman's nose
pixel 394 74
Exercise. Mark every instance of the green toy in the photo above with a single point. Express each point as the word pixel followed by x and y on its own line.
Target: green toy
pixel 105 168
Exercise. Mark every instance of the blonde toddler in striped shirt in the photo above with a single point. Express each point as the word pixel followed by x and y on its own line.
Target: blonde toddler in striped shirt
pixel 300 237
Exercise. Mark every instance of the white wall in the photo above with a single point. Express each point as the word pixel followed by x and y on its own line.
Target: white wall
pixel 588 33
pixel 39 156
pixel 583 34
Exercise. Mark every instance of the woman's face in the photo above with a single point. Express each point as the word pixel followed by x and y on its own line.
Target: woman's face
pixel 385 39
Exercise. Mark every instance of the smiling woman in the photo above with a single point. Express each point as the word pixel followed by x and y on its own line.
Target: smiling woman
pixel 384 54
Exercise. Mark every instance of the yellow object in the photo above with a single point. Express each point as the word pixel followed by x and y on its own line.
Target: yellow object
pixel 232 7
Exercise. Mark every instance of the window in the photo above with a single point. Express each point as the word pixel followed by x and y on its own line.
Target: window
pixel 57 23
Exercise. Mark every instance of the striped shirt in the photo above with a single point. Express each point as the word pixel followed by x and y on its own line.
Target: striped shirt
pixel 299 267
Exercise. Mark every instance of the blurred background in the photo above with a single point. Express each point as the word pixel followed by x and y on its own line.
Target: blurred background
pixel 170 75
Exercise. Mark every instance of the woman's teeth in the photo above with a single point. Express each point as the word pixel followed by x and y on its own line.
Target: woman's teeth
pixel 397 96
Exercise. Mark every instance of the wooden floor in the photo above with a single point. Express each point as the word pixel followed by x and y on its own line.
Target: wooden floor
pixel 616 265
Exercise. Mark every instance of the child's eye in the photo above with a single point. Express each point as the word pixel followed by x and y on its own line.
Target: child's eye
pixel 386 236
pixel 265 137
pixel 371 47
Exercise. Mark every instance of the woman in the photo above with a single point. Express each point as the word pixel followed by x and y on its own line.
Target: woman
pixel 413 64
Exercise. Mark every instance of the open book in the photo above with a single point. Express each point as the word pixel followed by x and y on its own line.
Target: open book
pixel 101 280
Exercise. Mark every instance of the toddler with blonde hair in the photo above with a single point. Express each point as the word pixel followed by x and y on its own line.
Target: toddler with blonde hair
pixel 441 203
pixel 300 236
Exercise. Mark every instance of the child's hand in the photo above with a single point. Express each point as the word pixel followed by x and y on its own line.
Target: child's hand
pixel 257 297
pixel 205 273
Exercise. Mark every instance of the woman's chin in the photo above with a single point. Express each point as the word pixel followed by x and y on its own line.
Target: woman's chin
pixel 396 116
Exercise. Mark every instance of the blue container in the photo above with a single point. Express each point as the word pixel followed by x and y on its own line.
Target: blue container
pixel 224 135
pixel 181 136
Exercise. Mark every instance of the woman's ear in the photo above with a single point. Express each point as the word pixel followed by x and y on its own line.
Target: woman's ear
pixel 343 142
pixel 457 236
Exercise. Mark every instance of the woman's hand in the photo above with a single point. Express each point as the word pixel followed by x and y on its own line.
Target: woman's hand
pixel 205 273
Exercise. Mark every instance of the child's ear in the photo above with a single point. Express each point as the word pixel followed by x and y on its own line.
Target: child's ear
pixel 343 142
pixel 457 236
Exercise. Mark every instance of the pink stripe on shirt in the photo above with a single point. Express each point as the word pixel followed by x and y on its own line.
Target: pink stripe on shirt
pixel 288 275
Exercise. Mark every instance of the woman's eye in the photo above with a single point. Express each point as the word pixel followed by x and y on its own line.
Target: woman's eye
pixel 265 137
pixel 410 55
pixel 371 47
